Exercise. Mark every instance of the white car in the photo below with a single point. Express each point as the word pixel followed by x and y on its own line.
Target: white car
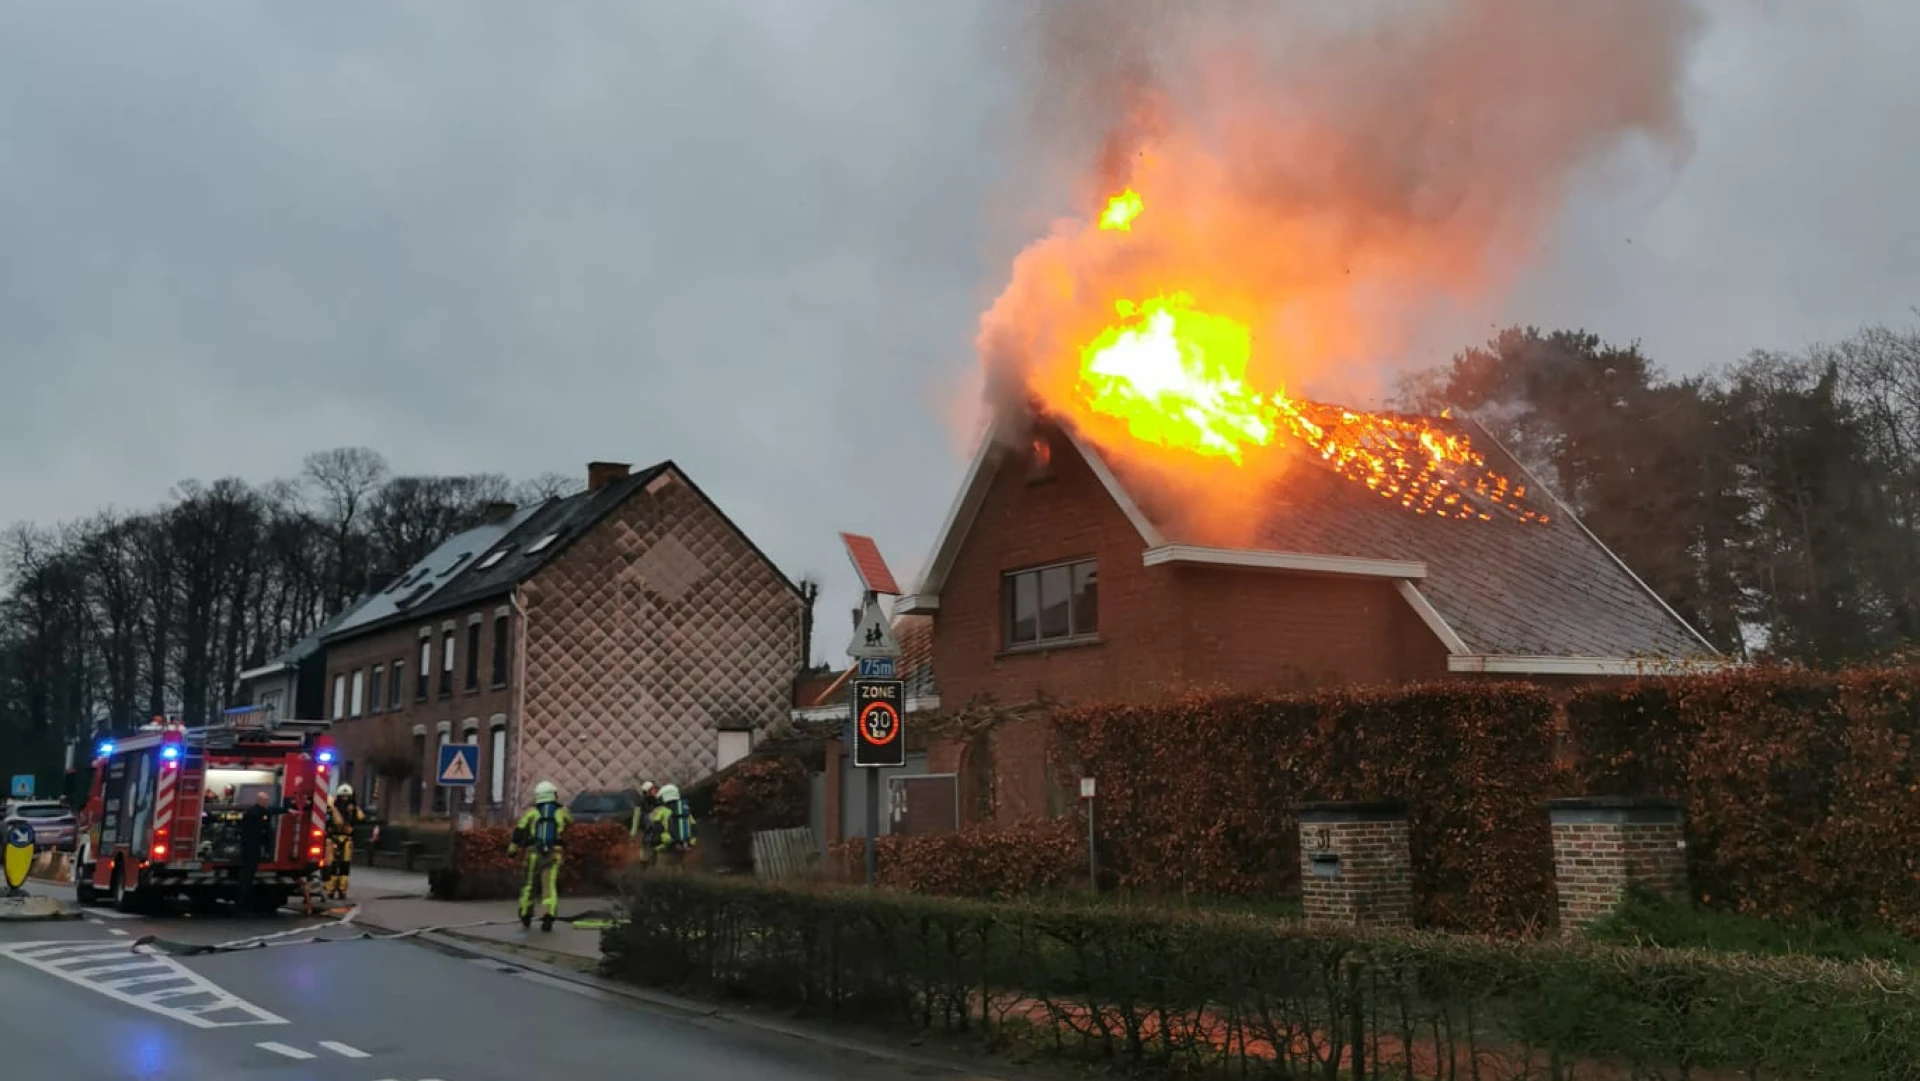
pixel 53 825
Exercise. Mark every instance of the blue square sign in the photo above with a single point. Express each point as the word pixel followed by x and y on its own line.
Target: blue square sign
pixel 459 765
pixel 22 787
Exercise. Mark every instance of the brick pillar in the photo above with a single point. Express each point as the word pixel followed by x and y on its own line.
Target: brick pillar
pixel 1603 844
pixel 1355 869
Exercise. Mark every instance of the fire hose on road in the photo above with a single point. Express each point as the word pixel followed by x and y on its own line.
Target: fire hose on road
pixel 302 936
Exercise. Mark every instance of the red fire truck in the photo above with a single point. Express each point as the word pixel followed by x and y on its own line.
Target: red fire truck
pixel 162 817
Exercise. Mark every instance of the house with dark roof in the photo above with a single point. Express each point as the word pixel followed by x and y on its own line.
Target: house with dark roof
pixel 1068 574
pixel 294 683
pixel 628 632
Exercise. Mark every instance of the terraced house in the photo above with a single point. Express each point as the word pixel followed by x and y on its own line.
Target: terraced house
pixel 628 632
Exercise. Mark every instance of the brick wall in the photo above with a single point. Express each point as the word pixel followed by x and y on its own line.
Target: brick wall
pixel 382 725
pixel 1023 523
pixel 1355 865
pixel 1161 629
pixel 1602 846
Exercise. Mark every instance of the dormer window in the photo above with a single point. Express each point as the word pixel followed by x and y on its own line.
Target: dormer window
pixel 543 542
pixel 1040 459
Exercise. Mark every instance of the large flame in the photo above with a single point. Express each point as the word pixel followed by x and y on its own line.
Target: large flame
pixel 1283 204
pixel 1176 377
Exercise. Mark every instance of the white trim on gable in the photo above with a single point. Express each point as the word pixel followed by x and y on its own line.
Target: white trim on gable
pixel 925 598
pixel 1431 616
pixel 1584 666
pixel 1266 559
pixel 1120 495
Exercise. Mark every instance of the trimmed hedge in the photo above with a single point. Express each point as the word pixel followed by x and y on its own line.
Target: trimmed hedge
pixel 1216 994
pixel 758 794
pixel 596 854
pixel 1195 794
pixel 982 860
pixel 1802 792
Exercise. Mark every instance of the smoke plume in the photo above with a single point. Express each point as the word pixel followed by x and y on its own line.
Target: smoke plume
pixel 1331 174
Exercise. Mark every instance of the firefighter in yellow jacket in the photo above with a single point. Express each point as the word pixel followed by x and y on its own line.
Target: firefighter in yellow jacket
pixel 542 831
pixel 343 817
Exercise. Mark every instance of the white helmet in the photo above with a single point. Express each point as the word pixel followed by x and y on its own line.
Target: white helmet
pixel 344 790
pixel 648 788
pixel 669 793
pixel 544 792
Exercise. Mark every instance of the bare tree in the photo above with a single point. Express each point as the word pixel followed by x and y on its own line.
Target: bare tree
pixel 345 479
pixel 547 486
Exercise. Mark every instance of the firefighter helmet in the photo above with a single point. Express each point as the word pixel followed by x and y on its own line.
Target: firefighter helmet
pixel 344 790
pixel 544 792
pixel 669 793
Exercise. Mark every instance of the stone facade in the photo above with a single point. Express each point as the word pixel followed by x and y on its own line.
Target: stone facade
pixel 652 642
pixel 1355 865
pixel 1601 846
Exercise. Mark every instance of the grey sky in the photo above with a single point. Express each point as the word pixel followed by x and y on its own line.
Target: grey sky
pixel 753 237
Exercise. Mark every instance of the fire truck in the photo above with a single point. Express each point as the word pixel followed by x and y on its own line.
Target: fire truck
pixel 162 817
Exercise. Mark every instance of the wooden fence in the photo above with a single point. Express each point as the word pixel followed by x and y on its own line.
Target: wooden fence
pixel 788 853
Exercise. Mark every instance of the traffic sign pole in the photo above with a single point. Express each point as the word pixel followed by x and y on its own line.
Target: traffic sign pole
pixel 879 736
pixel 459 768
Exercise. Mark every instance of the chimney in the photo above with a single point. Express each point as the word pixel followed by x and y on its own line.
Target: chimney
pixel 601 474
pixel 499 512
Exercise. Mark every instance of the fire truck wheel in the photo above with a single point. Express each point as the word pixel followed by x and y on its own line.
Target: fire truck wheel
pixel 83 890
pixel 131 900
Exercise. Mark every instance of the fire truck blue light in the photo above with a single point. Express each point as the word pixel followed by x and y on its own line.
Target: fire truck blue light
pixel 170 752
pixel 105 749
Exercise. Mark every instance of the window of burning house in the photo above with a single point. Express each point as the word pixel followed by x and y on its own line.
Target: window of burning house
pixel 376 688
pixel 395 692
pixel 1050 604
pixel 359 691
pixel 499 650
pixel 339 696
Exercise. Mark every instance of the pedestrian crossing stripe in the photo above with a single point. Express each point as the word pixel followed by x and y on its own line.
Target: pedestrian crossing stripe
pixel 153 982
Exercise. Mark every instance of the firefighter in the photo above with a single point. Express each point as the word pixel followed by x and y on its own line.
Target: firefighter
pixel 642 819
pixel 342 818
pixel 543 833
pixel 670 828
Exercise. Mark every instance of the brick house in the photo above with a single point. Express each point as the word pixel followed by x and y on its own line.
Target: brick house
pixel 630 631
pixel 1058 574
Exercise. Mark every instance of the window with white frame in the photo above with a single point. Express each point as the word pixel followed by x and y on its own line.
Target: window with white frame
pixel 426 665
pixel 473 740
pixel 1055 603
pixel 339 695
pixel 497 766
pixel 376 688
pixel 359 691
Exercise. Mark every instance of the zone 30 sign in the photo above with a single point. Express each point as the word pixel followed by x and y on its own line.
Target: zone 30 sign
pixel 879 735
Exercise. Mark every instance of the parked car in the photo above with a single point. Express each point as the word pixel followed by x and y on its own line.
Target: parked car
pixel 53 824
pixel 605 806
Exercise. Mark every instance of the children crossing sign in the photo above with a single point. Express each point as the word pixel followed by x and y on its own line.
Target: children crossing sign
pixel 459 764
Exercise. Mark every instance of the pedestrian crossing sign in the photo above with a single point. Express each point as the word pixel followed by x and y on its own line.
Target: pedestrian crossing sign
pixel 459 764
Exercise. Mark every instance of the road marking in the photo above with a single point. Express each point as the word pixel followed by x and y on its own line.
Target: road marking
pixel 283 1049
pixel 116 931
pixel 151 981
pixel 342 1049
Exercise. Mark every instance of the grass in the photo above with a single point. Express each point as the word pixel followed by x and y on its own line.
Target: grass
pixel 1647 919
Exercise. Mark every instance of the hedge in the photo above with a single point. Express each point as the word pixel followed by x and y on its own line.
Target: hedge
pixel 1801 787
pixel 981 860
pixel 758 794
pixel 1195 795
pixel 1215 994
pixel 482 870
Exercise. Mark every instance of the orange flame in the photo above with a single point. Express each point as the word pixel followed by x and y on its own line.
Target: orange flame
pixel 1176 377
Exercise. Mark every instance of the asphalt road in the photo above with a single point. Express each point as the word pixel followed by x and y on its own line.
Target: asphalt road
pixel 77 1003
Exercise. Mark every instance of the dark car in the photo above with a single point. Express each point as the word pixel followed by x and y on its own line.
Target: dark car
pixel 53 824
pixel 605 806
